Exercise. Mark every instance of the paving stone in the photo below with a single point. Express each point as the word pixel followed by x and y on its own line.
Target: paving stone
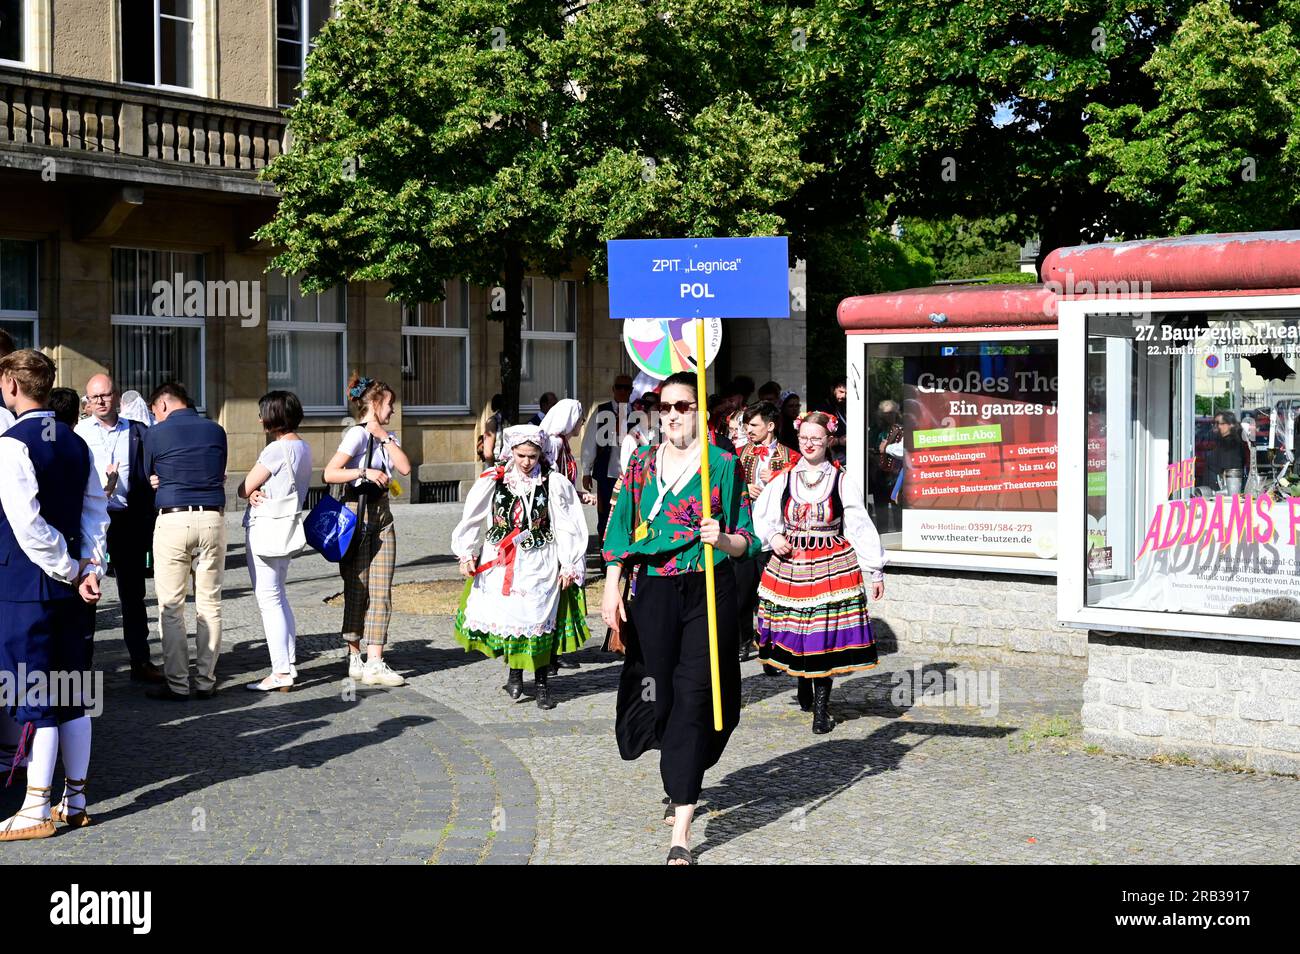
pixel 448 769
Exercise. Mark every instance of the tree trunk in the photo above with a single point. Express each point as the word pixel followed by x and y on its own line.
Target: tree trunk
pixel 511 328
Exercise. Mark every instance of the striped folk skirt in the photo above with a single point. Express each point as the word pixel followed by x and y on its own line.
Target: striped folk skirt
pixel 812 613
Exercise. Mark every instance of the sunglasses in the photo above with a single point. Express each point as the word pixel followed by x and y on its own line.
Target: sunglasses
pixel 681 407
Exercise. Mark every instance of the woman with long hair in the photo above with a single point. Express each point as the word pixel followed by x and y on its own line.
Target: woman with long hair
pixel 519 601
pixel 656 531
pixel 365 461
pixel 283 468
pixel 812 614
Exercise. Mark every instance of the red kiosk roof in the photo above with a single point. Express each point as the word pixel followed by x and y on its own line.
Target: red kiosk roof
pixel 1182 266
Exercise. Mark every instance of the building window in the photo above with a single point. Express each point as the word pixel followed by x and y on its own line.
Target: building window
pixel 550 341
pixel 18 291
pixel 960 444
pixel 158 42
pixel 307 343
pixel 12 28
pixel 1192 496
pixel 297 24
pixel 435 354
pixel 159 309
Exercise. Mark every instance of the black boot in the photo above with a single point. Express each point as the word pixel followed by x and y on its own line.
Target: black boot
pixel 804 693
pixel 514 686
pixel 822 721
pixel 553 669
pixel 543 690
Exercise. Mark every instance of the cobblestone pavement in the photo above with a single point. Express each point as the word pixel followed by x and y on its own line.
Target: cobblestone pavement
pixel 448 770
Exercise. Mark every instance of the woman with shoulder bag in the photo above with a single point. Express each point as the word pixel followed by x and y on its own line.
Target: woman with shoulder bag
pixel 364 464
pixel 276 489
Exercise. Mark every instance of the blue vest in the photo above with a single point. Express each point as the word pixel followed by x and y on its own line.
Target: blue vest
pixel 62 468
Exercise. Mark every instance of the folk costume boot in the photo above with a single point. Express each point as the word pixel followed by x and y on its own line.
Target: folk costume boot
pixel 822 721
pixel 514 686
pixel 804 693
pixel 543 689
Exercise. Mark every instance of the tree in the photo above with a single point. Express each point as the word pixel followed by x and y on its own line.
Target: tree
pixel 964 248
pixel 977 108
pixel 1220 148
pixel 480 139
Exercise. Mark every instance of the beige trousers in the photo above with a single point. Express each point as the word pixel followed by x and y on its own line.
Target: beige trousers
pixel 184 542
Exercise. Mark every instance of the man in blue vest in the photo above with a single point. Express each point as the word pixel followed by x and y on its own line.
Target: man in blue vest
pixel 53 521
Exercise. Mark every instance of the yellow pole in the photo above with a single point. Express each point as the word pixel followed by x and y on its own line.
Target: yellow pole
pixel 701 393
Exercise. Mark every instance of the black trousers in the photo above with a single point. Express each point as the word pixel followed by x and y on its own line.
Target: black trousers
pixel 749 573
pixel 665 697
pixel 129 536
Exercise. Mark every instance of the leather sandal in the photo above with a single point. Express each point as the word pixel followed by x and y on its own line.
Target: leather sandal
pixel 77 818
pixel 678 853
pixel 44 830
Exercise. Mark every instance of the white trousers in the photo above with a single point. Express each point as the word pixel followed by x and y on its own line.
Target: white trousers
pixel 268 575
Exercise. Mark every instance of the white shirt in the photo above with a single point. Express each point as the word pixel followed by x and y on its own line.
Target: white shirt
pixel 6 419
pixel 109 445
pixel 290 465
pixel 42 544
pixel 354 443
pixel 608 429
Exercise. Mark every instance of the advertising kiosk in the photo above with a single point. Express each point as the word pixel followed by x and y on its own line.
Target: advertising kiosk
pixel 1176 415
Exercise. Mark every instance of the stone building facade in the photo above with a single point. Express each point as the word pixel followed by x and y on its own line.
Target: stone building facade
pixel 131 135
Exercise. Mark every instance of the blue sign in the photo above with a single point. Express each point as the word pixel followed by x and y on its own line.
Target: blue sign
pixel 699 278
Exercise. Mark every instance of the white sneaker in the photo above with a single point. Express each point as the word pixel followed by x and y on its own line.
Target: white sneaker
pixel 356 665
pixel 377 673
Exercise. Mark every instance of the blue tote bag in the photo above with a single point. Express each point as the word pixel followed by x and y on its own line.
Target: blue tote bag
pixel 330 528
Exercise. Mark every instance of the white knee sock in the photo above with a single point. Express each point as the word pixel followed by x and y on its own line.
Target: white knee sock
pixel 44 748
pixel 74 741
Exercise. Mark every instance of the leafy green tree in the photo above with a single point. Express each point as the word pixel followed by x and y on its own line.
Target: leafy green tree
pixel 964 248
pixel 977 108
pixel 1219 150
pixel 482 139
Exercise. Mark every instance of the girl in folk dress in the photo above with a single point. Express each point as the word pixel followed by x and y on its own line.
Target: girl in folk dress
pixel 534 558
pixel 812 616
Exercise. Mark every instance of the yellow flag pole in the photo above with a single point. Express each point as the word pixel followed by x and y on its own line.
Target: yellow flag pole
pixel 701 394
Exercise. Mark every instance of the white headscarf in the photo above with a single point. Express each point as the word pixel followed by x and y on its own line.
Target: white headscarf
pixel 511 438
pixel 134 408
pixel 560 422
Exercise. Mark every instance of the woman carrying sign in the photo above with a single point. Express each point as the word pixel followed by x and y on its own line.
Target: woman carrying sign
pixel 521 602
pixel 812 614
pixel 655 531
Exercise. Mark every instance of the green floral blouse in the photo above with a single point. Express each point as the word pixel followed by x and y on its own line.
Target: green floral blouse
pixel 672 545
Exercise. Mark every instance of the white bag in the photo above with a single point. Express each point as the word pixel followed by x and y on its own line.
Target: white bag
pixel 275 525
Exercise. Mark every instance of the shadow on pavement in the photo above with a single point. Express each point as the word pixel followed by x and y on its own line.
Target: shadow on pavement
pixel 796 784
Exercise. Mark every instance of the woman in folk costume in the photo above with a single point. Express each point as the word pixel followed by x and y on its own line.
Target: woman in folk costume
pixel 812 616
pixel 533 560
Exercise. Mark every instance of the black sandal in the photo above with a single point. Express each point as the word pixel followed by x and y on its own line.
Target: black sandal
pixel 678 853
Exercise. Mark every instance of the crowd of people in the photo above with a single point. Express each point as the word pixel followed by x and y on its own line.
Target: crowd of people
pixel 794 553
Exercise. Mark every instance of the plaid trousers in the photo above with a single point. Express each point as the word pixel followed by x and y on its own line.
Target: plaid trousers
pixel 368 576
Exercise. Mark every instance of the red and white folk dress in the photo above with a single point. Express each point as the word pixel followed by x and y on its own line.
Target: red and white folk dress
pixel 812 615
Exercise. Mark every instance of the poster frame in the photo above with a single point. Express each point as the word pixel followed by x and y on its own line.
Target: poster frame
pixel 856 449
pixel 1072 610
